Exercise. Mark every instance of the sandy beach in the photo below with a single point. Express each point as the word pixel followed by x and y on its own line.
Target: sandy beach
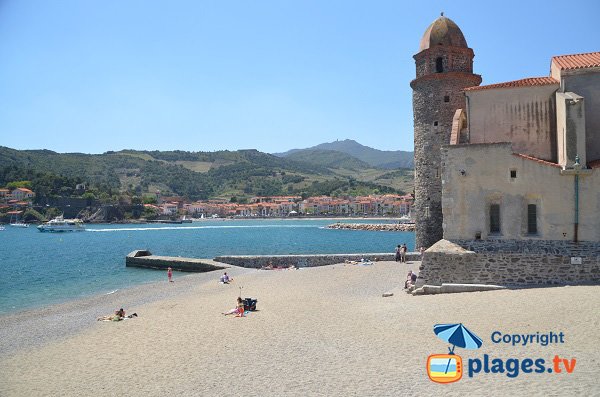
pixel 318 332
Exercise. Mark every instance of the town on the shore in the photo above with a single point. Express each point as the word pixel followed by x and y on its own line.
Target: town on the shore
pixel 21 202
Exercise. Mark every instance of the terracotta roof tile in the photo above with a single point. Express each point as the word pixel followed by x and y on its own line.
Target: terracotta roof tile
pixel 528 82
pixel 524 156
pixel 577 61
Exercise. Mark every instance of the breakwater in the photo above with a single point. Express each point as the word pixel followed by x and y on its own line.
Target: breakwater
pixel 145 259
pixel 378 227
pixel 258 261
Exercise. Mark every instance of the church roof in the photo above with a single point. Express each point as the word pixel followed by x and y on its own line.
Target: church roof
pixel 443 31
pixel 577 61
pixel 528 82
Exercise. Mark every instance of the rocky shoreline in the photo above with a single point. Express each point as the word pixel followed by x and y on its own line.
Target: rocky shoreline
pixel 385 227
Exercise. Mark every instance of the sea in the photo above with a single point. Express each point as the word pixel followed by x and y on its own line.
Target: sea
pixel 39 269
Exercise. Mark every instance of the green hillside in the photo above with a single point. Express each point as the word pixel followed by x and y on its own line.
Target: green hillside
pixel 195 175
pixel 329 159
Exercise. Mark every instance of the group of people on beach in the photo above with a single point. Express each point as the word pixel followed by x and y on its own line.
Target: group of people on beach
pixel 401 253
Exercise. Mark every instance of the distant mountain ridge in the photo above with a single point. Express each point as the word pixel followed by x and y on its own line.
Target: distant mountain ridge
pixel 387 159
pixel 198 175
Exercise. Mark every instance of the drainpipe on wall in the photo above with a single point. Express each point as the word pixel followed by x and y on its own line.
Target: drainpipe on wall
pixel 577 168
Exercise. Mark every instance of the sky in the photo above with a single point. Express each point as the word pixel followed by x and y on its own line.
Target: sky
pixel 92 76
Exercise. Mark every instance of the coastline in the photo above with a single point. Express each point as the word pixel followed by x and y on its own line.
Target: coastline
pixel 318 331
pixel 35 327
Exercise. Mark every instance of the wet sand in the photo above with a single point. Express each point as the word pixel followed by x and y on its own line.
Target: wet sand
pixel 322 331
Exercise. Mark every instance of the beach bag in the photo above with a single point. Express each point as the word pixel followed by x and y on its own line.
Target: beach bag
pixel 250 304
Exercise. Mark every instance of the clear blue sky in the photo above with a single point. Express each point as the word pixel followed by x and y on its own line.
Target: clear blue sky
pixel 91 76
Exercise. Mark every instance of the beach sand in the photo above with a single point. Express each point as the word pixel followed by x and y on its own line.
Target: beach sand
pixel 323 331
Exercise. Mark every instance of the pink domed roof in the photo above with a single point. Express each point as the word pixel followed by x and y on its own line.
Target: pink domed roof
pixel 443 31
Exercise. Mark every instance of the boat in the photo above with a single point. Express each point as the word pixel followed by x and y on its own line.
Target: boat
pixel 15 222
pixel 59 224
pixel 185 219
pixel 406 219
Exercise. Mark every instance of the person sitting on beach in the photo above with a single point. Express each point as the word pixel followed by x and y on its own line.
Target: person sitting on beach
pixel 268 267
pixel 411 279
pixel 225 279
pixel 238 310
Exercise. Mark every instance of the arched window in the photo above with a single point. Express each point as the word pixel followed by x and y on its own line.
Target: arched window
pixel 439 65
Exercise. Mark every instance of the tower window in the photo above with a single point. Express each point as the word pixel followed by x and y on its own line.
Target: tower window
pixel 435 123
pixel 446 98
pixel 531 218
pixel 513 173
pixel 495 218
pixel 439 65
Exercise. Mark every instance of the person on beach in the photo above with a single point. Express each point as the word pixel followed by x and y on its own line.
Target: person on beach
pixel 421 250
pixel 403 250
pixel 170 274
pixel 398 253
pixel 411 279
pixel 225 279
pixel 118 316
pixel 238 310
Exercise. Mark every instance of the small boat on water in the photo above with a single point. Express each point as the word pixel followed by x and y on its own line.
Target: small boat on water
pixel 185 219
pixel 406 219
pixel 59 224
pixel 15 222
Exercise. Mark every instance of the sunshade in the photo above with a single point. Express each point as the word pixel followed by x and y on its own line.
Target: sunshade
pixel 457 335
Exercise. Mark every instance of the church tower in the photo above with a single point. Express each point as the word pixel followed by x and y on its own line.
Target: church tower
pixel 444 66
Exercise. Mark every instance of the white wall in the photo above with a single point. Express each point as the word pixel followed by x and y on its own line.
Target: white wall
pixel 466 199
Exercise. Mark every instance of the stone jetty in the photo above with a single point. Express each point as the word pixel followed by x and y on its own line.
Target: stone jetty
pixel 144 258
pixel 380 227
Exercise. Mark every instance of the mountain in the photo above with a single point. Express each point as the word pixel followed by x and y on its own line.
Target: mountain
pixel 387 159
pixel 196 175
pixel 328 158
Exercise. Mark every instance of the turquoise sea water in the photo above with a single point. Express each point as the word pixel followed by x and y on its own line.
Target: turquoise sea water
pixel 38 269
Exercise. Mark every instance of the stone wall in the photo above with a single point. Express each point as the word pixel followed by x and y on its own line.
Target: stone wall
pixel 145 259
pixel 258 261
pixel 510 262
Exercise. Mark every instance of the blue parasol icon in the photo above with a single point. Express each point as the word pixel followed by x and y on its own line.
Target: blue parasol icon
pixel 457 335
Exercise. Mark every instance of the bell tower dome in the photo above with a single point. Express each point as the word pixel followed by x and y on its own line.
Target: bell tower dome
pixel 444 66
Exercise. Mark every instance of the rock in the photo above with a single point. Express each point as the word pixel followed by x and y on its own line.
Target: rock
pixel 387 294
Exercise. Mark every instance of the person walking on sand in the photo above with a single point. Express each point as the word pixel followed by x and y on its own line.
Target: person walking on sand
pixel 170 274
pixel 398 253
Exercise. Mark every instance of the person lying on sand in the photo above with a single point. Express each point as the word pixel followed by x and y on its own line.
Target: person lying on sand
pixel 118 316
pixel 238 310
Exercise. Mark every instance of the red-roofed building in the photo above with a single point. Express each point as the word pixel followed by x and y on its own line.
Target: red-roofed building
pixel 22 193
pixel 514 150
pixel 515 160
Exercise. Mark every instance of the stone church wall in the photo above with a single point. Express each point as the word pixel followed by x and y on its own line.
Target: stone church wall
pixel 511 263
